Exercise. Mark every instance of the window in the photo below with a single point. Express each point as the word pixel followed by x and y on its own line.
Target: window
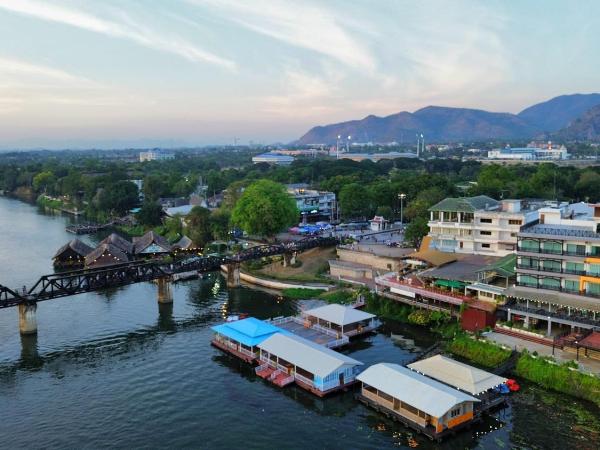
pixel 593 288
pixel 527 280
pixel 552 247
pixel 550 283
pixel 550 265
pixel 595 251
pixel 513 234
pixel 485 233
pixel 529 245
pixel 515 221
pixel 485 220
pixel 572 285
pixel 594 270
pixel 576 249
pixel 574 267
pixel 529 263
pixel 455 412
pixel 485 245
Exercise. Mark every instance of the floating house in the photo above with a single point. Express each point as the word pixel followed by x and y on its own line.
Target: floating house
pixel 151 244
pixel 344 320
pixel 419 402
pixel 73 253
pixel 106 255
pixel 241 337
pixel 318 369
pixel 120 242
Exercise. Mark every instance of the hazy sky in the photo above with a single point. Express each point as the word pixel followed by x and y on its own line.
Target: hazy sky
pixel 77 73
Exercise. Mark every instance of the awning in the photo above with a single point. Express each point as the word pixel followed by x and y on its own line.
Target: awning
pixel 450 284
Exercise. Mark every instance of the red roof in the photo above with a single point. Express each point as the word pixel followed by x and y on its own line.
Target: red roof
pixel 591 341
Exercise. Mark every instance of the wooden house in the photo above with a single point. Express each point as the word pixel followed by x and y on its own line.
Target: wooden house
pixel 71 254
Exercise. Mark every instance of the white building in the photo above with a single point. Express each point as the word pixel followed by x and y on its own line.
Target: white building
pixel 530 153
pixel 479 225
pixel 312 202
pixel 273 158
pixel 155 155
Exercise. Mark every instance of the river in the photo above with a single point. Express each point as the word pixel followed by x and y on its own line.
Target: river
pixel 114 369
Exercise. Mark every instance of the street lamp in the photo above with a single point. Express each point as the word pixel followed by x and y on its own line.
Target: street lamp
pixel 401 197
pixel 337 146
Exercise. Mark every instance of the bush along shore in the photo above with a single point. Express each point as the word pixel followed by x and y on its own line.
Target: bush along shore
pixel 341 296
pixel 481 352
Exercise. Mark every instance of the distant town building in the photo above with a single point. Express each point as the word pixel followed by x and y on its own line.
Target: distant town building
pixel 155 155
pixel 140 186
pixel 479 225
pixel 376 156
pixel 547 152
pixel 301 152
pixel 313 203
pixel 273 158
pixel 378 223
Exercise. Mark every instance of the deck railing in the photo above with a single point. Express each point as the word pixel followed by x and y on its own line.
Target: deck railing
pixel 261 367
pixel 303 379
pixel 327 331
pixel 246 352
pixel 338 342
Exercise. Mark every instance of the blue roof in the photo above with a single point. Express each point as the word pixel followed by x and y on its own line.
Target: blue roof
pixel 248 331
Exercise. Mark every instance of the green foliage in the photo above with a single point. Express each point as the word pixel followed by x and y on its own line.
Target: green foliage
pixel 301 293
pixel 480 352
pixel 264 209
pixel 150 214
pixel 355 201
pixel 118 197
pixel 43 181
pixel 561 378
pixel 199 226
pixel 386 308
pixel 343 296
pixel 416 230
pixel 219 223
pixel 419 317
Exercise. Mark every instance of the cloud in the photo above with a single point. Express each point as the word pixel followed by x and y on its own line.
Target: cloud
pixel 135 33
pixel 300 24
pixel 19 68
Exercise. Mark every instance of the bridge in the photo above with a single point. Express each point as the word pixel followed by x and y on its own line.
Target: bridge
pixel 75 282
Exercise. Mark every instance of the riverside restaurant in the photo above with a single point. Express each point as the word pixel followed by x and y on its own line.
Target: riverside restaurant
pixel 415 400
pixel 241 337
pixel 344 320
pixel 479 383
pixel 286 358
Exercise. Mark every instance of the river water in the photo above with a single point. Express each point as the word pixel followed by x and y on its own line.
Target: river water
pixel 114 369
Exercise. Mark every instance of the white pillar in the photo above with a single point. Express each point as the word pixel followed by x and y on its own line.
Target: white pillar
pixel 28 318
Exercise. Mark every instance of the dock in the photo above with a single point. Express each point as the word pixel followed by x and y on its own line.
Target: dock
pixel 312 332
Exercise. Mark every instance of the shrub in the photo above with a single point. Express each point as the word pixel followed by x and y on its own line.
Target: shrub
pixel 343 297
pixel 561 378
pixel 420 317
pixel 480 352
pixel 301 293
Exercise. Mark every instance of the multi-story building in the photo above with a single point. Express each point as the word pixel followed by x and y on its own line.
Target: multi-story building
pixel 273 158
pixel 313 203
pixel 542 153
pixel 155 155
pixel 558 268
pixel 479 225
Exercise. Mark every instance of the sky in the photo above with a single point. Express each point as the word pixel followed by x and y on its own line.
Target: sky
pixel 144 73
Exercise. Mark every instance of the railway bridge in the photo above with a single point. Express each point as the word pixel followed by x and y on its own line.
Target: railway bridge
pixel 65 284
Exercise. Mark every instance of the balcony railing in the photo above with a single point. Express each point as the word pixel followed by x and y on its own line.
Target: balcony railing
pixel 561 270
pixel 560 289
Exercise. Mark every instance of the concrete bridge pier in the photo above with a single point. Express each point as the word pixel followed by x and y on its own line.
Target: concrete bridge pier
pixel 29 348
pixel 28 318
pixel 165 294
pixel 233 275
pixel 289 259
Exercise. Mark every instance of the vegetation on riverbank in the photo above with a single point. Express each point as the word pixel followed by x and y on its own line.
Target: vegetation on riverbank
pixel 50 203
pixel 559 377
pixel 340 296
pixel 481 352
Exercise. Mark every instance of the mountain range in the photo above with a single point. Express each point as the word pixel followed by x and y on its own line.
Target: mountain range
pixel 572 117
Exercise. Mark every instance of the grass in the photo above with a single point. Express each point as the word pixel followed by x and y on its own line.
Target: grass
pixel 341 296
pixel 49 203
pixel 301 293
pixel 559 377
pixel 480 352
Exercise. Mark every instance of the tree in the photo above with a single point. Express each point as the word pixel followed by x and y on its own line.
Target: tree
pixel 150 214
pixel 384 211
pixel 588 186
pixel 219 223
pixel 416 230
pixel 43 180
pixel 118 197
pixel 264 209
pixel 355 201
pixel 198 226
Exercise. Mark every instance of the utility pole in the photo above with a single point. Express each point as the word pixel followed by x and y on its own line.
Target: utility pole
pixel 401 197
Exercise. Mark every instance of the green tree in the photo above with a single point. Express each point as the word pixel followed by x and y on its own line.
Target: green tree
pixel 588 186
pixel 264 209
pixel 118 197
pixel 219 223
pixel 415 231
pixel 198 226
pixel 355 201
pixel 150 214
pixel 43 180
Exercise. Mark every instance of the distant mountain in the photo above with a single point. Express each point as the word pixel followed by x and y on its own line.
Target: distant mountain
pixel 584 128
pixel 435 122
pixel 559 112
pixel 445 124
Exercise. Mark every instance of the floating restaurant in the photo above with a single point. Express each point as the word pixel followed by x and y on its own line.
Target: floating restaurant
pixel 241 337
pixel 344 320
pixel 287 358
pixel 479 383
pixel 419 402
pixel 73 253
pixel 106 255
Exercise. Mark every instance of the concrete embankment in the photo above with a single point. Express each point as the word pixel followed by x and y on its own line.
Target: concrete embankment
pixel 277 285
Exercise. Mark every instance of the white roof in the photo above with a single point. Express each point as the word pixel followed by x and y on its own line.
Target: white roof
pixel 338 314
pixel 462 376
pixel 425 394
pixel 307 355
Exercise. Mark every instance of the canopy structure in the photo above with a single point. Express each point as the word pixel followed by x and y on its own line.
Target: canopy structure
pixel 450 284
pixel 248 331
pixel 425 394
pixel 338 314
pixel 314 358
pixel 461 376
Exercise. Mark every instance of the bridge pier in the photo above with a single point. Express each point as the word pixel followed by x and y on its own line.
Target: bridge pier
pixel 165 294
pixel 28 318
pixel 289 259
pixel 233 275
